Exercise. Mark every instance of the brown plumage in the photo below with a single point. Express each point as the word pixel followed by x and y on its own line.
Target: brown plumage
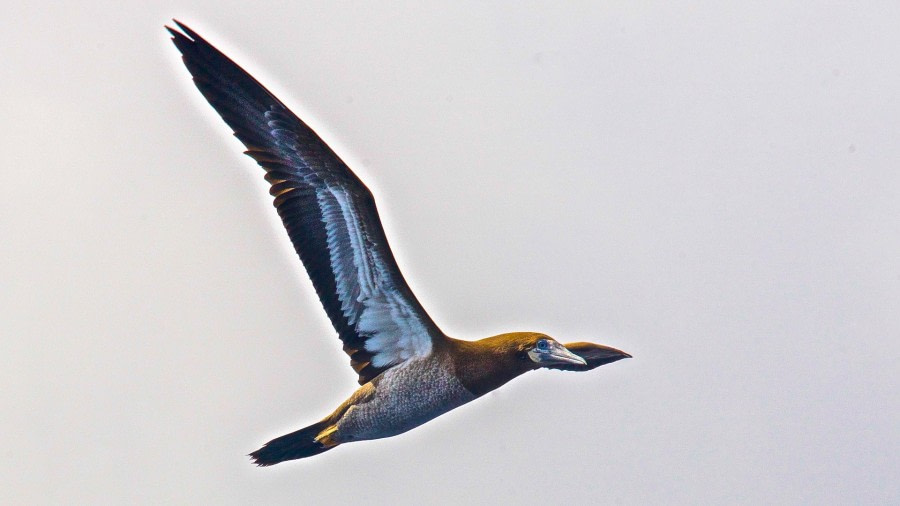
pixel 489 363
pixel 409 370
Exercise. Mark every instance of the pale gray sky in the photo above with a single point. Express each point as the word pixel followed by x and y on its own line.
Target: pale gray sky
pixel 713 188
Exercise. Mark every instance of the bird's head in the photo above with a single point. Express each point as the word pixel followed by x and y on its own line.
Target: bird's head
pixel 488 363
pixel 544 351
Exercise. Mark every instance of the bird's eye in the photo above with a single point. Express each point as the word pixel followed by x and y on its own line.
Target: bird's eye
pixel 543 345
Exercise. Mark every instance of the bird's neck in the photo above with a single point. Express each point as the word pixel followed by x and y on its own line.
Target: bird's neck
pixel 484 365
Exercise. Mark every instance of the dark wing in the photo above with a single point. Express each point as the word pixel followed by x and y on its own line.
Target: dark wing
pixel 328 212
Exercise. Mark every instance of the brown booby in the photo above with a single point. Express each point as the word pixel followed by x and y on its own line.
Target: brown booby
pixel 410 371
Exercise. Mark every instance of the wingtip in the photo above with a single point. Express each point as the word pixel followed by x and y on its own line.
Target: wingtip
pixel 190 33
pixel 173 32
pixel 185 32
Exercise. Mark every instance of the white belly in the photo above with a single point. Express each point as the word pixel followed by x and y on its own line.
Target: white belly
pixel 404 397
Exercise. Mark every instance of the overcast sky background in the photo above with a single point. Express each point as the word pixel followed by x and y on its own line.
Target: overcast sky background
pixel 713 188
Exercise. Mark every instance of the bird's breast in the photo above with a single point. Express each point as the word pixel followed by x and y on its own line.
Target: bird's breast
pixel 405 397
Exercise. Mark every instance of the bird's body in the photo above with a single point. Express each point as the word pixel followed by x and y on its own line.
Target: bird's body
pixel 409 371
pixel 395 402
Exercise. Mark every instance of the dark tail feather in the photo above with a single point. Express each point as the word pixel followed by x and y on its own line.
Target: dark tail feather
pixel 296 445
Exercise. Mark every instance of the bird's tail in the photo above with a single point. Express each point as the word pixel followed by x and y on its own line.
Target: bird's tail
pixel 303 443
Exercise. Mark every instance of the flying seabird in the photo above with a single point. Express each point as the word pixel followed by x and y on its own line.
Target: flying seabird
pixel 409 371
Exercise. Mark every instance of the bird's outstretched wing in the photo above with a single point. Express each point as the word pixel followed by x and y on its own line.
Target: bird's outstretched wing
pixel 328 212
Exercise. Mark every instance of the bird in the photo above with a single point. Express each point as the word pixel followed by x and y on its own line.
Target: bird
pixel 408 370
